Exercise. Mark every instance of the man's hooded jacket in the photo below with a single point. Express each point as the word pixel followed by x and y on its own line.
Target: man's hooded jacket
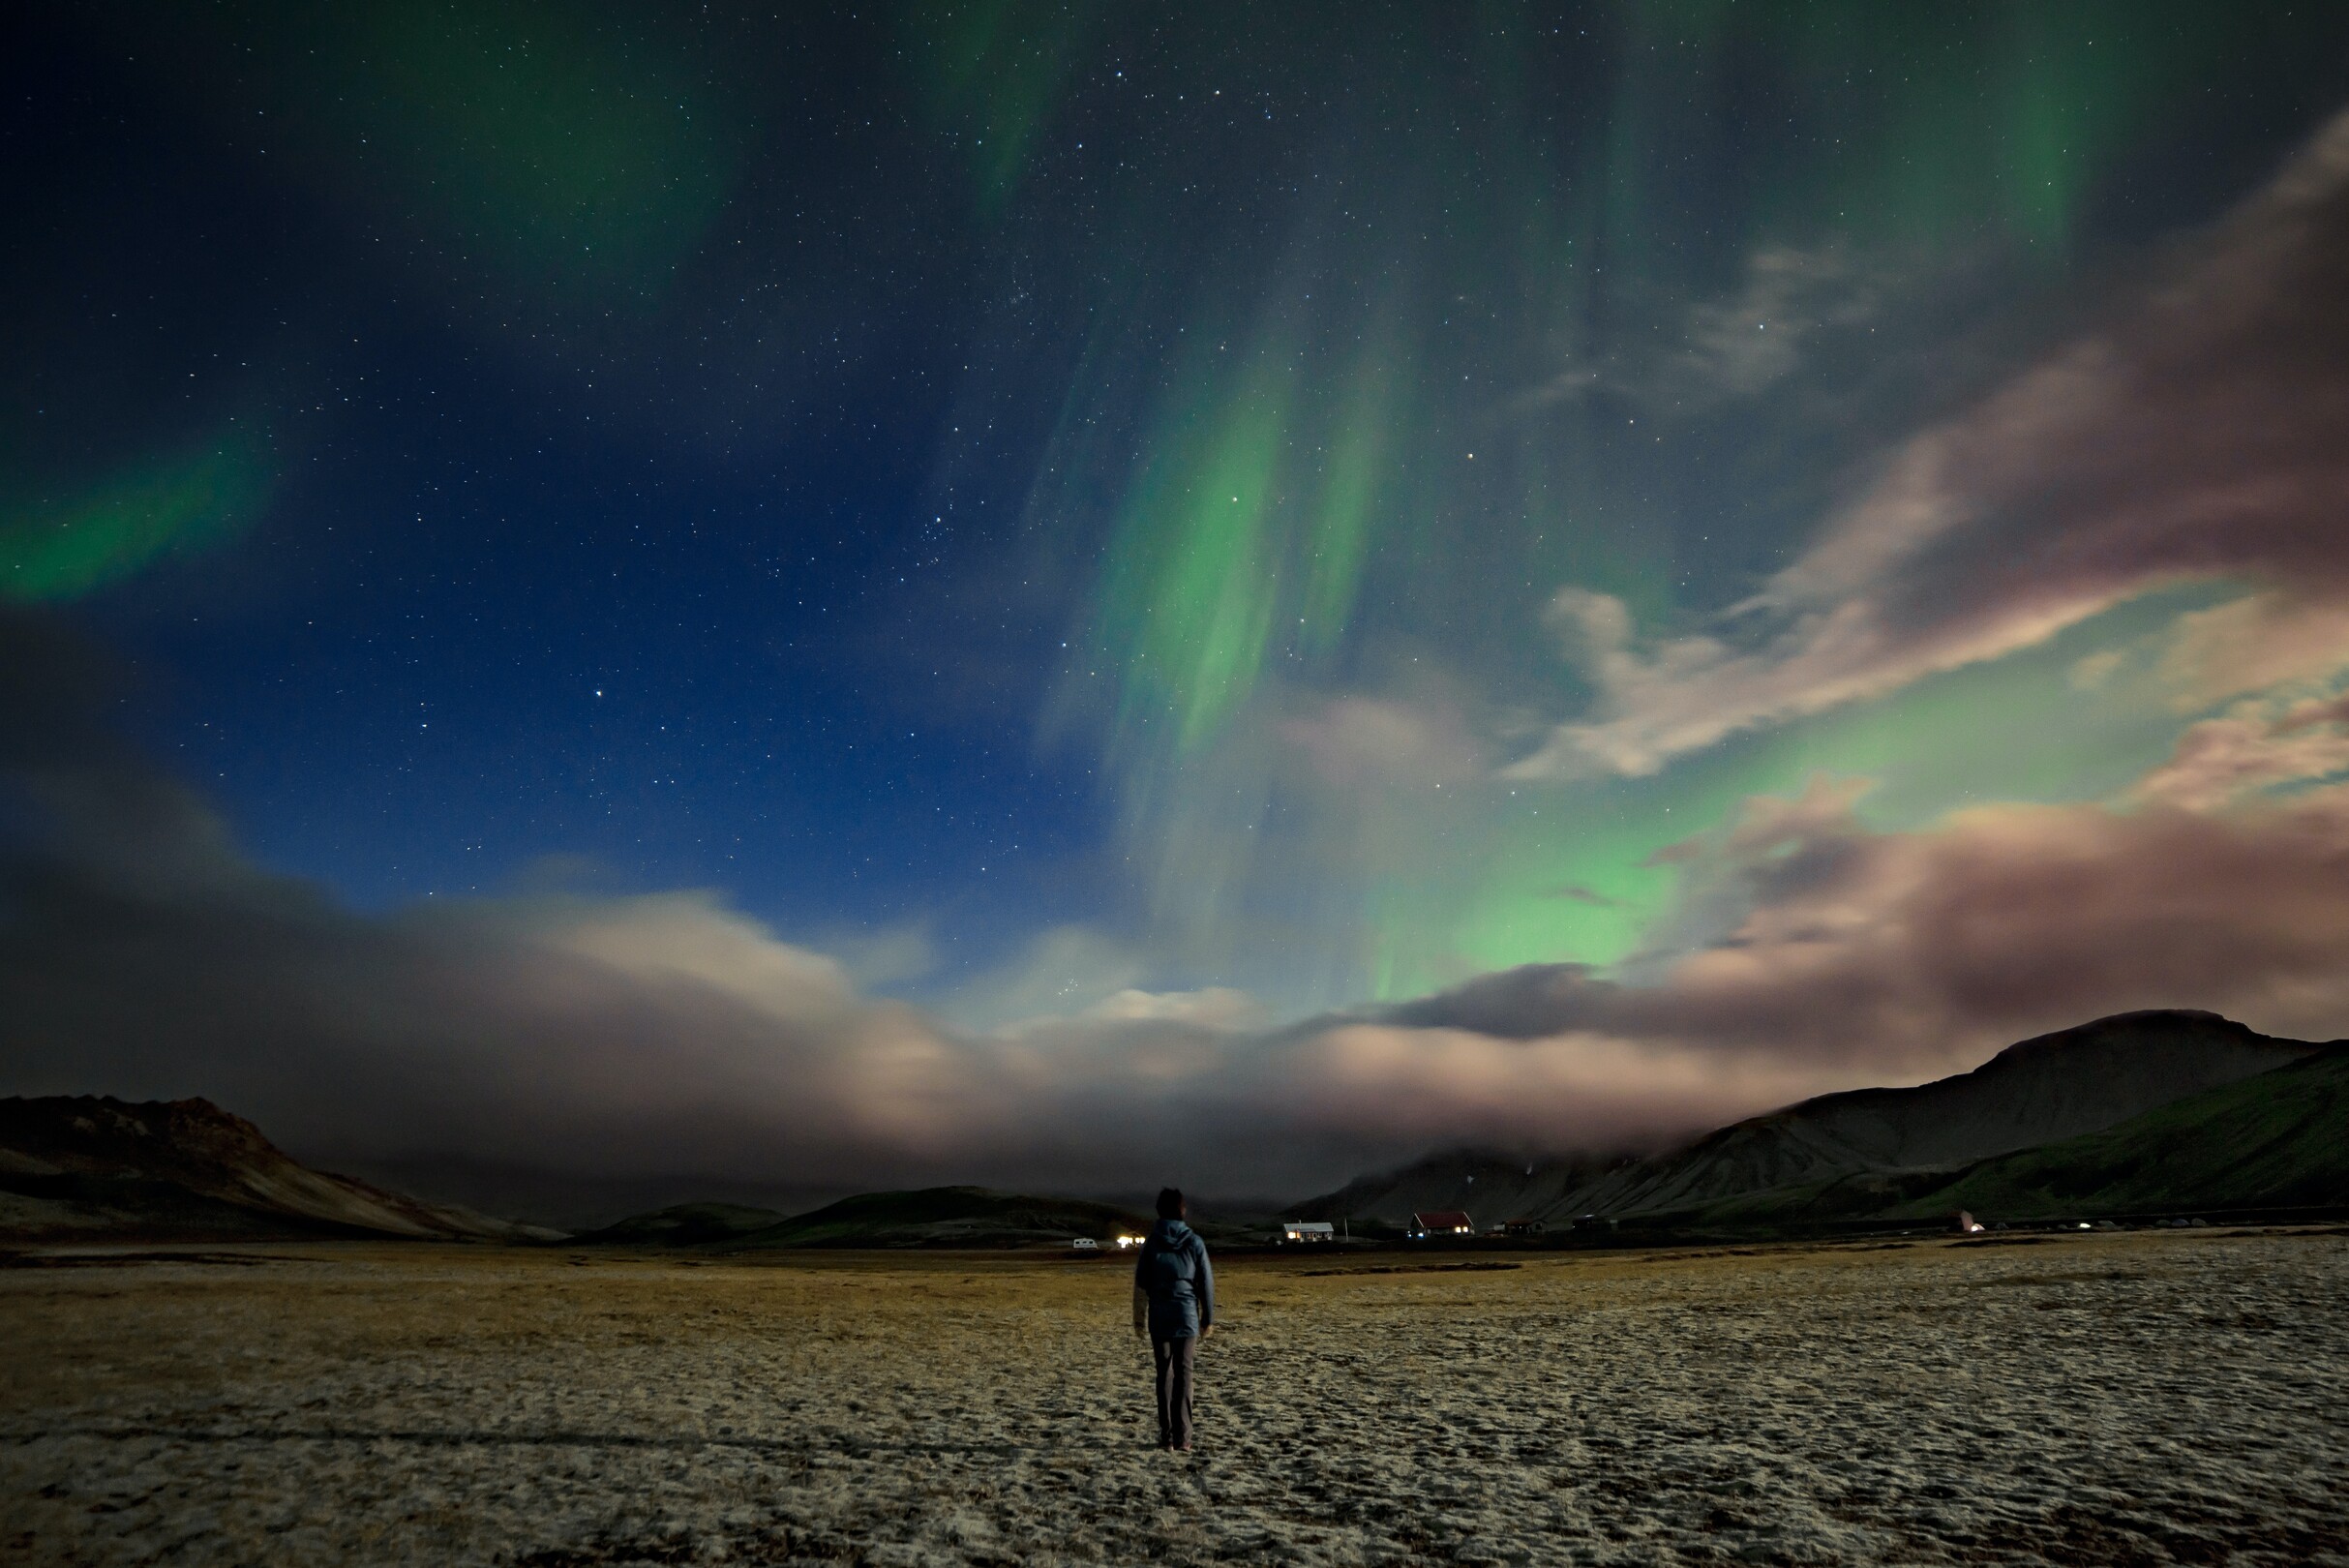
pixel 1179 1282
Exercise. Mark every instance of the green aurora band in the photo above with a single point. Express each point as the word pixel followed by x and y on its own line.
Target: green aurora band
pixel 1349 402
pixel 569 160
pixel 134 520
pixel 1394 416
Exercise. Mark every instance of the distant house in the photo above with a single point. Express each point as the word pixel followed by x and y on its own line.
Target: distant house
pixel 1441 1223
pixel 1293 1231
pixel 1522 1227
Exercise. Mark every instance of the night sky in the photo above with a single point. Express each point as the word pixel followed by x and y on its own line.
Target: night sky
pixel 1076 594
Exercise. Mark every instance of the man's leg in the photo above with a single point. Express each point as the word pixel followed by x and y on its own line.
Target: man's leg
pixel 1180 1353
pixel 1163 1357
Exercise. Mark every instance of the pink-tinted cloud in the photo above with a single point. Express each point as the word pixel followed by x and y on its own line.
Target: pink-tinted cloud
pixel 1899 956
pixel 671 1034
pixel 1356 742
pixel 2219 760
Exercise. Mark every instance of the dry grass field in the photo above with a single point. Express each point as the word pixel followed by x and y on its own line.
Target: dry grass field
pixel 2122 1399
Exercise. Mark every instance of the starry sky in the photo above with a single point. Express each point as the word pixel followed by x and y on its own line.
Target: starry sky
pixel 1061 592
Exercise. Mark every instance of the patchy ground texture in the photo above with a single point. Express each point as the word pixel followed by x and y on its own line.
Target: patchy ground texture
pixel 2125 1399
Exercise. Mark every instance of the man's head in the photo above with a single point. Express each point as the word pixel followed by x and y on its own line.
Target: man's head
pixel 1170 1203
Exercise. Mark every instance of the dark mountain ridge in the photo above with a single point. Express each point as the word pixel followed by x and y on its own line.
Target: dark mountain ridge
pixel 1862 1150
pixel 943 1217
pixel 2139 1112
pixel 947 1217
pixel 2040 1091
pixel 1492 1183
pixel 2276 1141
pixel 684 1224
pixel 84 1167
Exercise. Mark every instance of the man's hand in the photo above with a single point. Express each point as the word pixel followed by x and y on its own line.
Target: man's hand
pixel 1205 1329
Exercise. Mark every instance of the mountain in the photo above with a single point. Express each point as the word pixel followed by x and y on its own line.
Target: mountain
pixel 684 1225
pixel 1866 1150
pixel 579 1199
pixel 947 1217
pixel 95 1169
pixel 1489 1183
pixel 2280 1141
pixel 2056 1086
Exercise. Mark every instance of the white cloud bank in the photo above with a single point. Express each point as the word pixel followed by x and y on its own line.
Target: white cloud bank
pixel 671 1034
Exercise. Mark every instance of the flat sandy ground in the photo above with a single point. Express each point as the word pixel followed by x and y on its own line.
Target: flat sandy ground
pixel 2123 1399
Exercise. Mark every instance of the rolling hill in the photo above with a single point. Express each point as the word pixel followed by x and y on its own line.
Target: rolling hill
pixel 684 1224
pixel 95 1169
pixel 946 1216
pixel 1489 1183
pixel 1848 1152
pixel 1857 1153
pixel 2280 1141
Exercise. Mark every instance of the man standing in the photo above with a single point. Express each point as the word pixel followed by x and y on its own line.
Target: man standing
pixel 1174 1302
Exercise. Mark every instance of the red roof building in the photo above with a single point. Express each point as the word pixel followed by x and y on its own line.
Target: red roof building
pixel 1443 1223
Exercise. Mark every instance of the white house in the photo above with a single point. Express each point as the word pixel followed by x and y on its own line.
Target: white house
pixel 1433 1222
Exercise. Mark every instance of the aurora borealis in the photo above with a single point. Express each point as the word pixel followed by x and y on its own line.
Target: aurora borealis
pixel 955 590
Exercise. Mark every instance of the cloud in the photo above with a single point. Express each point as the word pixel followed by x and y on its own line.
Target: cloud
pixel 1357 743
pixel 671 1034
pixel 891 955
pixel 1062 970
pixel 1742 344
pixel 1901 955
pixel 1215 1006
pixel 2260 746
pixel 2203 435
pixel 2253 643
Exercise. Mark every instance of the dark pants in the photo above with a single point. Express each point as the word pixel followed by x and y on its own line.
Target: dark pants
pixel 1173 1358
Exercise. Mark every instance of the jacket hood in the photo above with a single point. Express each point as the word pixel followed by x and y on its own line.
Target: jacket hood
pixel 1171 1231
